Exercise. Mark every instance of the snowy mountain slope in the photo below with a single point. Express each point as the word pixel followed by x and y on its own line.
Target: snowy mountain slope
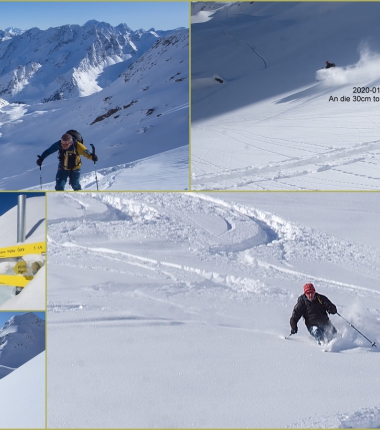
pixel 196 291
pixel 163 171
pixel 261 111
pixel 33 295
pixel 141 114
pixel 29 379
pixel 21 339
pixel 63 62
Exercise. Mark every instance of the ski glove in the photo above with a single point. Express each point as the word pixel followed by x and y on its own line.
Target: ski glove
pixel 294 330
pixel 94 158
pixel 331 309
pixel 39 161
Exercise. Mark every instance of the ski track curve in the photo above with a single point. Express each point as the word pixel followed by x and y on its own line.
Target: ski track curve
pixel 272 230
pixel 250 46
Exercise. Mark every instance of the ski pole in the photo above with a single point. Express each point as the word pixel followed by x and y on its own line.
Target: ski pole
pixel 96 177
pixel 372 343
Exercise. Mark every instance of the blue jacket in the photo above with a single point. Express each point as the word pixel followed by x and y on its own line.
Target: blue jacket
pixel 77 148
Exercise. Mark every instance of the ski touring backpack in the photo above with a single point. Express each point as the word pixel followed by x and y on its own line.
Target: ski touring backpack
pixel 76 135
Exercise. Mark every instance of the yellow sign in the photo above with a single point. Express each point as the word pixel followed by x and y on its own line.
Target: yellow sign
pixel 23 249
pixel 15 281
pixel 20 267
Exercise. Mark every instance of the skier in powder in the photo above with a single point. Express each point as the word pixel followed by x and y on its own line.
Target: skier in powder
pixel 328 65
pixel 314 307
pixel 69 148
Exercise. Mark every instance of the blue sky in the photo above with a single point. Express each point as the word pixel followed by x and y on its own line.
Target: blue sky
pixel 8 200
pixel 5 316
pixel 145 15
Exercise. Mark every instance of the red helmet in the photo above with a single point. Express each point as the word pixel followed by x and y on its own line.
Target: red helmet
pixel 308 288
pixel 327 62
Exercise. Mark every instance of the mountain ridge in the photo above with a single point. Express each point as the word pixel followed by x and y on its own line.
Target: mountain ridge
pixel 63 62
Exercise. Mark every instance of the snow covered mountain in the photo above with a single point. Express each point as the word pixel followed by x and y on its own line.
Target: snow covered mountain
pixel 142 110
pixel 66 61
pixel 9 32
pixel 265 113
pixel 21 339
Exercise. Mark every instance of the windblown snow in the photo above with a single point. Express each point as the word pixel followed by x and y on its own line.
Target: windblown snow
pixel 266 115
pixel 170 310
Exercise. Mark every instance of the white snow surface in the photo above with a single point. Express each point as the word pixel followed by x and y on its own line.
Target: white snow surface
pixel 170 310
pixel 23 396
pixel 262 111
pixel 33 296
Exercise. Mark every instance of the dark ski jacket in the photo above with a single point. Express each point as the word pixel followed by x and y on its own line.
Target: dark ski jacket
pixel 77 147
pixel 314 312
pixel 329 65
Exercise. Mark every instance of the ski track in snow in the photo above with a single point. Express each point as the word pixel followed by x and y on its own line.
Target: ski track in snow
pixel 250 46
pixel 233 219
pixel 296 159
